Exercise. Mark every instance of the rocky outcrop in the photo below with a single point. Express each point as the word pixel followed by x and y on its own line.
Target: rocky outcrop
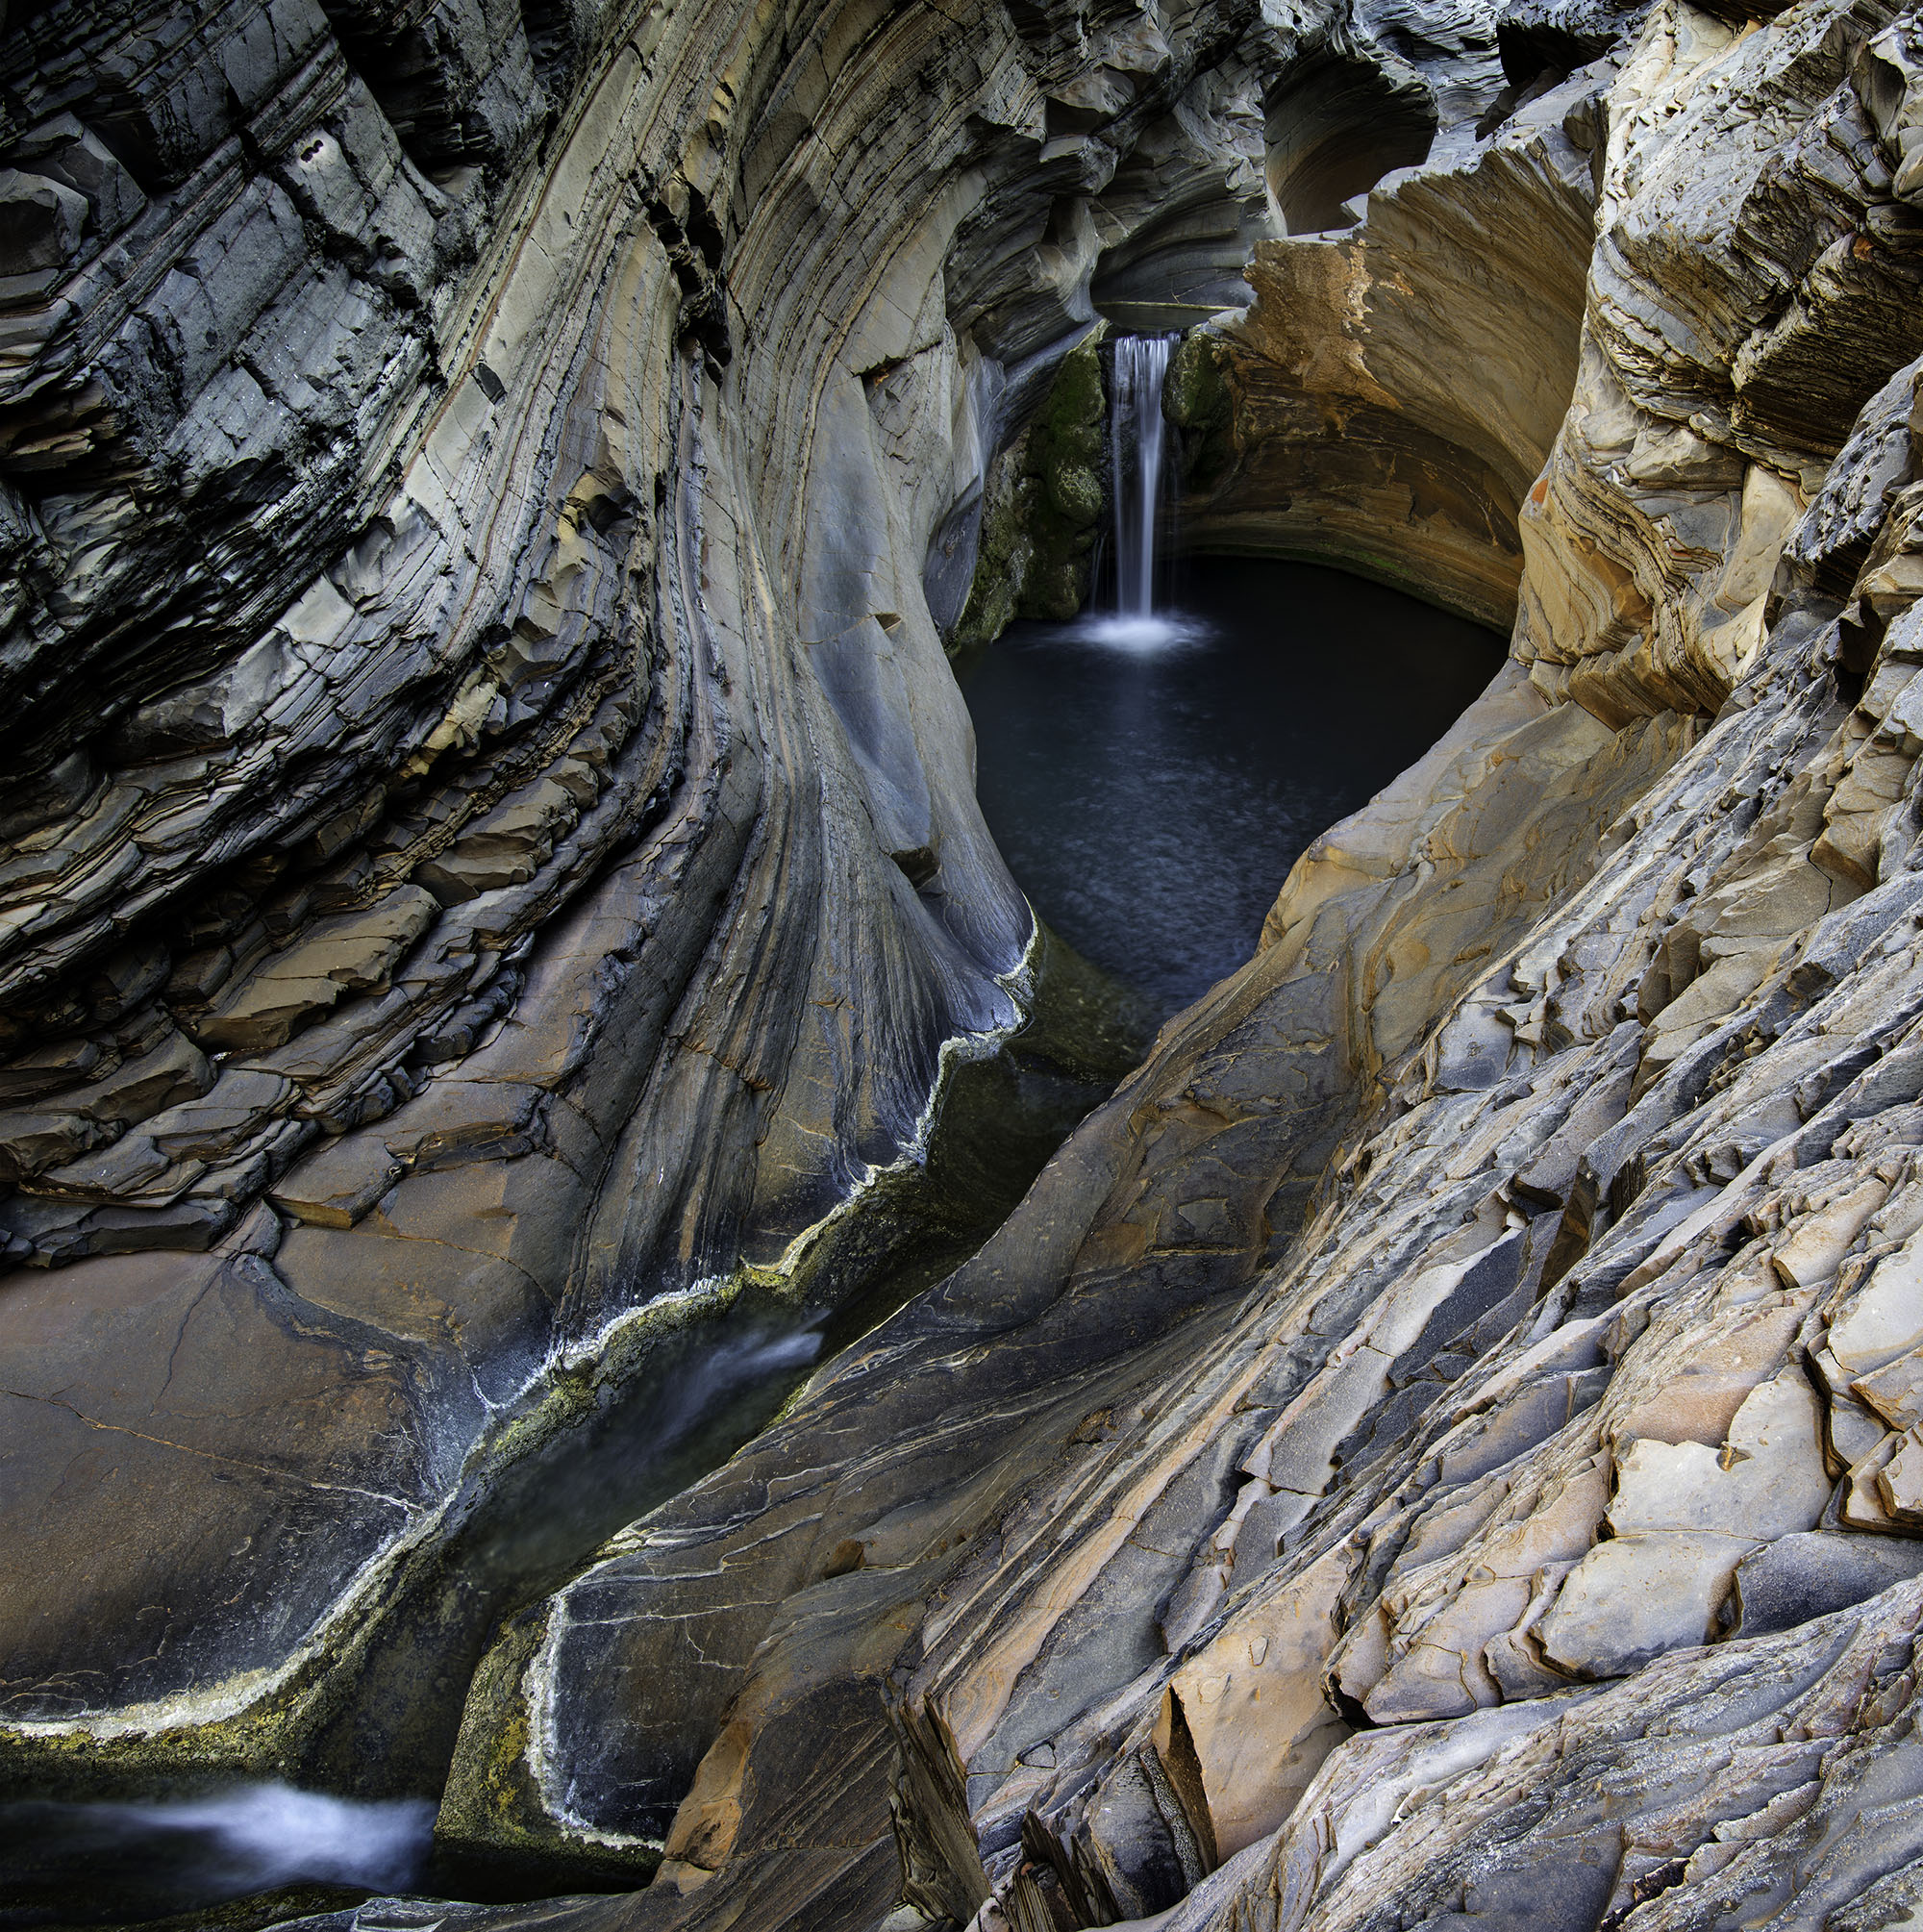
pixel 1128 1253
pixel 1394 392
pixel 1730 424
pixel 492 871
pixel 1440 1443
pixel 1436 1445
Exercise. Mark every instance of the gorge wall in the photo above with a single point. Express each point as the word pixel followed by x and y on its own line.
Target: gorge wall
pixel 491 838
pixel 494 868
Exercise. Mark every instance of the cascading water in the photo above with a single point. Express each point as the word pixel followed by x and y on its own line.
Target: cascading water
pixel 140 1861
pixel 1136 432
pixel 1137 446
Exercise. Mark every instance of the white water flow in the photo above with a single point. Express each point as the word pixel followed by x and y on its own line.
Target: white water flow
pixel 1136 438
pixel 142 1861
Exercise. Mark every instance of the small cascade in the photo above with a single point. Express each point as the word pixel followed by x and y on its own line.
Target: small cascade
pixel 1137 442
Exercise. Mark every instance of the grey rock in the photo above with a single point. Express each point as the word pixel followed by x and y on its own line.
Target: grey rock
pixel 486 782
pixel 1810 1574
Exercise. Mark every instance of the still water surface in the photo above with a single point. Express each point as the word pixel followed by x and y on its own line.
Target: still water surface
pixel 1150 787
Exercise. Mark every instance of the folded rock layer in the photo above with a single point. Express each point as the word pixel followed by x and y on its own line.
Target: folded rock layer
pixel 1434 1447
pixel 1442 1444
pixel 493 869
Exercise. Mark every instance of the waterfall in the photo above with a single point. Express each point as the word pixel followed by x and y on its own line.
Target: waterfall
pixel 1135 439
pixel 1136 444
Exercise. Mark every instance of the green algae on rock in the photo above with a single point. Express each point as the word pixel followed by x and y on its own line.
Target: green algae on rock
pixel 1042 502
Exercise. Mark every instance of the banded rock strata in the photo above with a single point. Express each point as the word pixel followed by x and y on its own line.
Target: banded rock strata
pixel 491 863
pixel 1435 1447
pixel 1395 390
pixel 1441 1444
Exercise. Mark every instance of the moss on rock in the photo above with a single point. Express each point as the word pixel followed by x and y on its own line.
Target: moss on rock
pixel 1196 398
pixel 1003 552
pixel 1066 461
pixel 1043 501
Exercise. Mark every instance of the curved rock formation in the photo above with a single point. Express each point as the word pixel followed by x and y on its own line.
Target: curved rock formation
pixel 1482 1296
pixel 1442 1444
pixel 493 868
pixel 1393 394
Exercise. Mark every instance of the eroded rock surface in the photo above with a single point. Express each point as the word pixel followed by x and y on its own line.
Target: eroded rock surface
pixel 1443 1443
pixel 1439 1444
pixel 1392 396
pixel 490 849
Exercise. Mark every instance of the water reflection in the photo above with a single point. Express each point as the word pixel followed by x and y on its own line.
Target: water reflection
pixel 1151 789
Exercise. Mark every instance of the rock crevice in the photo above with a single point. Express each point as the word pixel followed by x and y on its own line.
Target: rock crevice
pixel 494 871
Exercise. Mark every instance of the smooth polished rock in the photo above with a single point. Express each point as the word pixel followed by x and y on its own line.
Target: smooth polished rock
pixel 1797 1577
pixel 554 554
pixel 486 791
pixel 1470 1000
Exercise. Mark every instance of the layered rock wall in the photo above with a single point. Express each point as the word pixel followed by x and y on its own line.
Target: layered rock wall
pixel 1440 1443
pixel 492 844
pixel 1434 1447
pixel 1392 394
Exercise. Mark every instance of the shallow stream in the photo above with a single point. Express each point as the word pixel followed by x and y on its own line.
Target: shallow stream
pixel 191 1853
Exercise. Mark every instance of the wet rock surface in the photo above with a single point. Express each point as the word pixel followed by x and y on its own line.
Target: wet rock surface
pixel 1425 1370
pixel 494 853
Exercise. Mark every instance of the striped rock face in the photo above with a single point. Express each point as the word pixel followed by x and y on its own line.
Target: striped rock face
pixel 492 888
pixel 493 883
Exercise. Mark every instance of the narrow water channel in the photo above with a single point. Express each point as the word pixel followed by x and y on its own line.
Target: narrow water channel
pixel 190 1855
pixel 1150 798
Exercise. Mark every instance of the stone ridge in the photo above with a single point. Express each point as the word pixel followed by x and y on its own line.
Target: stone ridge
pixel 1442 1445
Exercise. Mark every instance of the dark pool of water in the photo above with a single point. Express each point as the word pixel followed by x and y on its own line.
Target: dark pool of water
pixel 1150 799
